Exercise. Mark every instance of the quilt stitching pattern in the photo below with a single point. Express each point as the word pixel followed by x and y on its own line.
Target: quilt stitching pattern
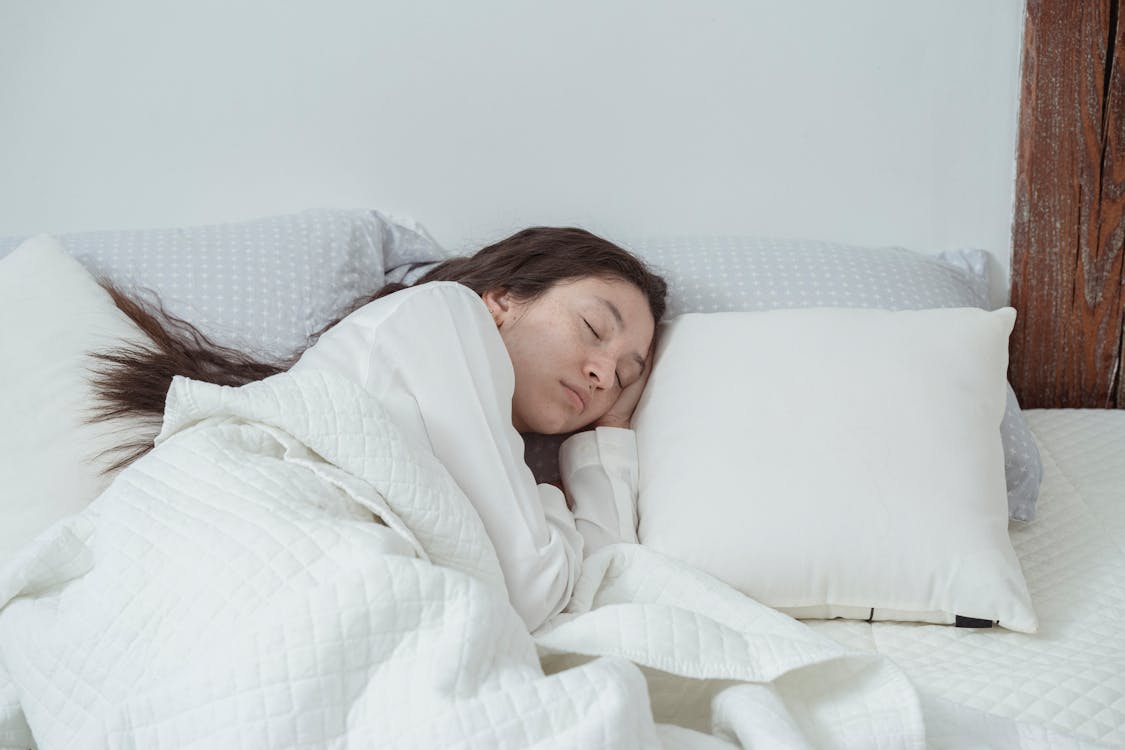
pixel 231 590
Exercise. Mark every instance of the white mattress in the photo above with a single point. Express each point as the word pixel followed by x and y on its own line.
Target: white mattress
pixel 1070 676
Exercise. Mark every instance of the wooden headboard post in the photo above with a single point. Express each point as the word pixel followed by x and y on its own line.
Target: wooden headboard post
pixel 1069 222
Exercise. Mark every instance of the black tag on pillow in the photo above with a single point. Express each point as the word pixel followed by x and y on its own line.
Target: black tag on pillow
pixel 971 622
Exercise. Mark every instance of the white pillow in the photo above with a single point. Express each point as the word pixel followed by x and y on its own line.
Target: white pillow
pixel 717 274
pixel 53 313
pixel 836 462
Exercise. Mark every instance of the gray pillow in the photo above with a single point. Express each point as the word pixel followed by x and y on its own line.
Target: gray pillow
pixel 264 285
pixel 734 274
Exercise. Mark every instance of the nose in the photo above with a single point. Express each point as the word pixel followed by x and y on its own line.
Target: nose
pixel 599 371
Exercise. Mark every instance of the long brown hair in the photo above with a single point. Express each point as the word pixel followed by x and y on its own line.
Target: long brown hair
pixel 132 380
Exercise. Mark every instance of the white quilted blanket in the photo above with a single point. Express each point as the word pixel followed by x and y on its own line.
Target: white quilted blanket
pixel 233 589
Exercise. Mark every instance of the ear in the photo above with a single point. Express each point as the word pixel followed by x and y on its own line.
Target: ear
pixel 498 302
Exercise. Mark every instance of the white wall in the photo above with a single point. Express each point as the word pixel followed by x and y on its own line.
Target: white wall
pixel 869 121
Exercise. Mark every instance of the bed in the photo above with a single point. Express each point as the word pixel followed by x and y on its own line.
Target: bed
pixel 268 284
pixel 1070 676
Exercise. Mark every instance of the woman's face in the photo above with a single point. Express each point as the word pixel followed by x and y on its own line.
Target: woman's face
pixel 572 349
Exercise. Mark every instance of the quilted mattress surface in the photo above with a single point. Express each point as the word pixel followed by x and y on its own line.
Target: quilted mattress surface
pixel 1070 676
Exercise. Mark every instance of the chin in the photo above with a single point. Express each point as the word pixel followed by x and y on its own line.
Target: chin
pixel 551 424
pixel 553 428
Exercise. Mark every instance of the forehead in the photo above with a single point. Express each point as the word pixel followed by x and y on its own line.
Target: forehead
pixel 613 296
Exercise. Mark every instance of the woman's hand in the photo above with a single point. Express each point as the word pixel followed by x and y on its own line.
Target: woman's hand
pixel 621 413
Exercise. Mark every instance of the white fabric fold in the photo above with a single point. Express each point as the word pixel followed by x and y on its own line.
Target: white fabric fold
pixel 238 595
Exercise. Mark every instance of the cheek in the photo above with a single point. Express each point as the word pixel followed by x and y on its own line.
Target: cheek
pixel 534 368
pixel 602 402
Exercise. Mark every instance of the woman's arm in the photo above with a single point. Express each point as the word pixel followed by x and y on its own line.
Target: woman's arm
pixel 599 472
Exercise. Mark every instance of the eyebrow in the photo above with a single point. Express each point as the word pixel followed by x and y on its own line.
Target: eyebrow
pixel 621 324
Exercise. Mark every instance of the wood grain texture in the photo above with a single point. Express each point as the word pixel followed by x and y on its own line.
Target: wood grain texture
pixel 1069 225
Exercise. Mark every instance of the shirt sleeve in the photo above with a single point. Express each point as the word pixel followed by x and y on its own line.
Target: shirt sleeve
pixel 599 471
pixel 436 355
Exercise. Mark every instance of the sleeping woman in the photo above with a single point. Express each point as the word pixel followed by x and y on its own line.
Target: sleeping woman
pixel 549 331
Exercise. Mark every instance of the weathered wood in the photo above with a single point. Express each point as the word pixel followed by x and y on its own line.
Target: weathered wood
pixel 1069 226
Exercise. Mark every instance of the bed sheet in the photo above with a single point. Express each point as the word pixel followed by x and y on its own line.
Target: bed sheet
pixel 1070 676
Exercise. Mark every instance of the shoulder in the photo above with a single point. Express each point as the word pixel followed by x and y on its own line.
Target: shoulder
pixel 447 290
pixel 412 331
pixel 425 301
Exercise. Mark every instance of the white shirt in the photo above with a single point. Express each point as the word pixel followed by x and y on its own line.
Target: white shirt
pixel 433 357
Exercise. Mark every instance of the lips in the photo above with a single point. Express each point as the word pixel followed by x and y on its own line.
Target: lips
pixel 577 398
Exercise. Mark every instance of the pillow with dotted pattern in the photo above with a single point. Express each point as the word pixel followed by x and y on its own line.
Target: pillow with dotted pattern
pixel 263 285
pixel 750 274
